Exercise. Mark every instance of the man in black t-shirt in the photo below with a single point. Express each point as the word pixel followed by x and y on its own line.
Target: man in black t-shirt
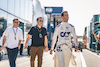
pixel 39 39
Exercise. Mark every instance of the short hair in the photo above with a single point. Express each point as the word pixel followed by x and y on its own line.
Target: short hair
pixel 39 18
pixel 15 19
pixel 62 13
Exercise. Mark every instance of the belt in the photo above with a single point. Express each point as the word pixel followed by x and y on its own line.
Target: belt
pixel 59 47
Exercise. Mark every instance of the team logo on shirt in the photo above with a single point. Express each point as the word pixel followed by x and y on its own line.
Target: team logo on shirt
pixel 67 27
pixel 64 34
pixel 62 28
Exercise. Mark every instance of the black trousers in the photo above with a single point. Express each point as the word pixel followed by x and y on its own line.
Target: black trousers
pixel 28 50
pixel 12 55
pixel 21 49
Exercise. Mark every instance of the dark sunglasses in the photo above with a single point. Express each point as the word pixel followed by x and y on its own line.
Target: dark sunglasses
pixel 40 20
pixel 16 22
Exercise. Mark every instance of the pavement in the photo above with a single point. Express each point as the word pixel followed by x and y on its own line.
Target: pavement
pixel 91 58
pixel 83 59
pixel 24 61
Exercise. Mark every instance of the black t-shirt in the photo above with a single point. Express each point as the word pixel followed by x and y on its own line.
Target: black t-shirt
pixel 36 40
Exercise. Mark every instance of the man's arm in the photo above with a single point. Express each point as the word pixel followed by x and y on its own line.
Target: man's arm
pixel 75 38
pixel 29 36
pixel 4 40
pixel 54 39
pixel 95 36
pixel 46 43
pixel 19 44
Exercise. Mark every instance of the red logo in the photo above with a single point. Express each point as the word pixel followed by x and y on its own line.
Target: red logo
pixel 61 28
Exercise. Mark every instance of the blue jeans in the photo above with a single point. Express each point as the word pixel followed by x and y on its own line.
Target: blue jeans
pixel 12 55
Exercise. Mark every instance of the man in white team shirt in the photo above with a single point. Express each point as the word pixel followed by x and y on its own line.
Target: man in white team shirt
pixel 12 37
pixel 63 48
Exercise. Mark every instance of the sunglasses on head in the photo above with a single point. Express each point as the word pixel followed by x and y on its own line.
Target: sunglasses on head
pixel 40 20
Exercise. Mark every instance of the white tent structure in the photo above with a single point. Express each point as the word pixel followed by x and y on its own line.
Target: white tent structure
pixel 39 12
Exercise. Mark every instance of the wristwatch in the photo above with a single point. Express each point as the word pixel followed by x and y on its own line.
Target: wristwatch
pixel 46 46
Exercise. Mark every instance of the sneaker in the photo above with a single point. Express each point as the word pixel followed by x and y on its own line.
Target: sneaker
pixel 21 54
pixel 28 55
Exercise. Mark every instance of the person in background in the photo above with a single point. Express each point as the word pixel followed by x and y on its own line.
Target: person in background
pixel 29 46
pixel 21 48
pixel 97 37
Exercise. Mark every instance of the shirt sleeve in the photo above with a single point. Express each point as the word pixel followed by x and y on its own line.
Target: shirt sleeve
pixel 31 31
pixel 6 32
pixel 54 38
pixel 74 36
pixel 45 32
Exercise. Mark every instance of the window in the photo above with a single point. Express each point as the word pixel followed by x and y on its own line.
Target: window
pixel 11 6
pixel 26 9
pixel 10 20
pixel 30 11
pixel 17 7
pixel 3 4
pixel 22 9
pixel 3 14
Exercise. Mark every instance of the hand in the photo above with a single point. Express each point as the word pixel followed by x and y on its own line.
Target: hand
pixel 46 49
pixel 25 46
pixel 18 46
pixel 93 32
pixel 51 52
pixel 23 40
pixel 76 48
pixel 2 47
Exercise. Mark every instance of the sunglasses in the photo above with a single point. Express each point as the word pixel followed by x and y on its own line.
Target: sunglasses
pixel 16 22
pixel 40 20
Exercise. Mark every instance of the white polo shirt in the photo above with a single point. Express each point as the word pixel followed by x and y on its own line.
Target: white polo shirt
pixel 10 40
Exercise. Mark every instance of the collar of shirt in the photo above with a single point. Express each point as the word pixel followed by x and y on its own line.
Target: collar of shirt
pixel 16 28
pixel 65 23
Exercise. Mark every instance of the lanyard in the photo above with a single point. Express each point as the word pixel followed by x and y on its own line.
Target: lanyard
pixel 39 30
pixel 15 32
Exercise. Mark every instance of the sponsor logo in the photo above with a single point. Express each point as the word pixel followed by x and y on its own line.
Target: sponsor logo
pixel 61 28
pixel 64 34
pixel 67 27
pixel 49 10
